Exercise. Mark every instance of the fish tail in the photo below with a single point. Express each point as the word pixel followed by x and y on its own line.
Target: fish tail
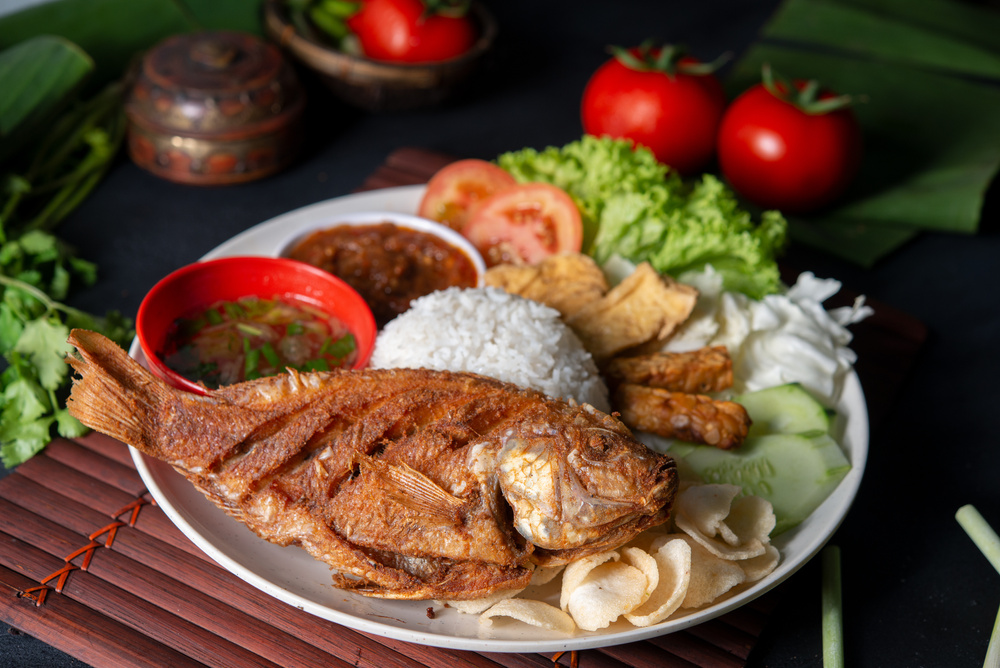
pixel 109 387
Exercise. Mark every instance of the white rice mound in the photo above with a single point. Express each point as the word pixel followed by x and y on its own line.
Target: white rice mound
pixel 492 333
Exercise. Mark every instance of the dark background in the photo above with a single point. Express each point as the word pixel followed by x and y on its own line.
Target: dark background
pixel 917 592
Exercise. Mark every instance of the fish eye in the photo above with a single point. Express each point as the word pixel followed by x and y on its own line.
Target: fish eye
pixel 599 445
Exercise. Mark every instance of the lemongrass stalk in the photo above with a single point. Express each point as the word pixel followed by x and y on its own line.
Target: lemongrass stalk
pixel 993 651
pixel 986 539
pixel 981 533
pixel 833 626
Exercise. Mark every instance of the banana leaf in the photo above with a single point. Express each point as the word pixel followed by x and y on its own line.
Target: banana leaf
pixel 115 31
pixel 931 129
pixel 242 15
pixel 941 34
pixel 37 77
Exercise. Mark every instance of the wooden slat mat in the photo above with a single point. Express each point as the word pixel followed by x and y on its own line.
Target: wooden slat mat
pixel 90 565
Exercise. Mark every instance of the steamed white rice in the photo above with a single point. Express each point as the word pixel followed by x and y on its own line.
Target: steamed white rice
pixel 492 333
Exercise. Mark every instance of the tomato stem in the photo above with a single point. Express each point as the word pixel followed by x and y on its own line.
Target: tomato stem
pixel 449 8
pixel 806 96
pixel 666 58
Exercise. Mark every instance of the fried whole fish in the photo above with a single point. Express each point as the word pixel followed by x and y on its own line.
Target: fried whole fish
pixel 409 484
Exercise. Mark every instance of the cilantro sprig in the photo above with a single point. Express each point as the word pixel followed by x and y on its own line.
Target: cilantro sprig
pixel 33 333
pixel 39 187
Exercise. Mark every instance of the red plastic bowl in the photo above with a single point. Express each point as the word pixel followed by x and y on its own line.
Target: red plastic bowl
pixel 202 284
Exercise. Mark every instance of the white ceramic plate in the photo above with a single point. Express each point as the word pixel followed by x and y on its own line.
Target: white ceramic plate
pixel 292 576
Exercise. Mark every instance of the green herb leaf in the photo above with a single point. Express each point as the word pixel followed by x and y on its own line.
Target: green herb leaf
pixel 251 366
pixel 10 328
pixel 340 348
pixel 68 426
pixel 38 243
pixel 234 310
pixel 315 365
pixel 267 350
pixel 85 270
pixel 22 439
pixel 43 341
pixel 26 399
pixel 213 317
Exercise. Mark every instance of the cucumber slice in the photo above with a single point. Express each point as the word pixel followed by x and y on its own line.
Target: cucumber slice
pixel 785 409
pixel 795 472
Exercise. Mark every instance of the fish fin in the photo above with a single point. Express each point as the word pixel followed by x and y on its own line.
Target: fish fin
pixel 109 386
pixel 409 487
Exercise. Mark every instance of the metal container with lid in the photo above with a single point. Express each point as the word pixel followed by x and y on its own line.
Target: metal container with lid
pixel 213 108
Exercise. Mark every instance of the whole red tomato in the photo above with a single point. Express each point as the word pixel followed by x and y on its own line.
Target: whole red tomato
pixel 413 31
pixel 659 98
pixel 792 147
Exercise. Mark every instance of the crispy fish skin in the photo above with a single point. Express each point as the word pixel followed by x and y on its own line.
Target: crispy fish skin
pixel 688 417
pixel 408 483
pixel 701 371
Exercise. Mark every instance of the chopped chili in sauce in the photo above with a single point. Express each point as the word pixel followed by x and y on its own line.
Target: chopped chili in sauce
pixel 233 341
pixel 389 265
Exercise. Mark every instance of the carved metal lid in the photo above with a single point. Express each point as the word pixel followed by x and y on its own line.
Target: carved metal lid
pixel 214 107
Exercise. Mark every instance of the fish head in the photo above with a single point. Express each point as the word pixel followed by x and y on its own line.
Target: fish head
pixel 574 485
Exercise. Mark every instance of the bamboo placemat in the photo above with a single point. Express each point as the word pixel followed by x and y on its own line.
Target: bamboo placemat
pixel 89 565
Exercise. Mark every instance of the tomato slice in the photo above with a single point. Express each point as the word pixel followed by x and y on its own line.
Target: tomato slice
pixel 456 191
pixel 525 224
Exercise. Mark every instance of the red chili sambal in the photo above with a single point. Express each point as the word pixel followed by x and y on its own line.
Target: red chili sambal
pixel 389 265
pixel 233 341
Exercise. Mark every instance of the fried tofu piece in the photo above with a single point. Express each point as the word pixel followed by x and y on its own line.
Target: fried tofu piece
pixel 643 307
pixel 699 371
pixel 566 282
pixel 694 418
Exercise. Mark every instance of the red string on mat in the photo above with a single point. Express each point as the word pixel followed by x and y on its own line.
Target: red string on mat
pixel 574 658
pixel 38 594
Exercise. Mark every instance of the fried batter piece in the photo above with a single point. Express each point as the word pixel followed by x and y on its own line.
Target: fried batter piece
pixel 699 371
pixel 566 282
pixel 687 417
pixel 645 306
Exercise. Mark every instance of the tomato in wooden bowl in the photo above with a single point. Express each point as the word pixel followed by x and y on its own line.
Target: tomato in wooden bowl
pixel 424 77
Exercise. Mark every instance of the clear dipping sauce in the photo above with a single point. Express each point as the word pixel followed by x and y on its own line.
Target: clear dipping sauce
pixel 234 341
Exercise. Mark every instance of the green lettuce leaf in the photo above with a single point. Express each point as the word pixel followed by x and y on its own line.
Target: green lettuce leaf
pixel 593 170
pixel 635 207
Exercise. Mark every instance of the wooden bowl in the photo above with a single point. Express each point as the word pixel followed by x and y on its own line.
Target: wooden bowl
pixel 377 85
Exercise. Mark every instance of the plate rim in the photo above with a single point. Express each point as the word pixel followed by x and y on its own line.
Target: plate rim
pixel 396 199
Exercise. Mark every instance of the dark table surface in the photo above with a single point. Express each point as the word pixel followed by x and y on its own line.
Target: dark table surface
pixel 917 592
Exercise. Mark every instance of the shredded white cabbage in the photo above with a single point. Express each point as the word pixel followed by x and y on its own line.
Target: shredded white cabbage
pixel 782 338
